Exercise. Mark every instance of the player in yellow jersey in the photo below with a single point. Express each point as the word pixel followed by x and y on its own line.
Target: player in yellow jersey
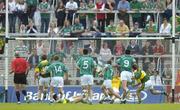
pixel 143 83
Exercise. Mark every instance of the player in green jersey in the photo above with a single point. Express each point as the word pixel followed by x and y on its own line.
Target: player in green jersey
pixel 86 65
pixel 143 82
pixel 125 64
pixel 43 76
pixel 58 71
pixel 107 89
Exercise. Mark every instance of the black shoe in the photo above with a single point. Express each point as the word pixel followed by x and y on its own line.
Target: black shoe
pixel 123 102
pixel 101 101
pixel 112 101
pixel 55 97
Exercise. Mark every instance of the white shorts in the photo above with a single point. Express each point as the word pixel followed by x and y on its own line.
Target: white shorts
pixel 107 83
pixel 87 80
pixel 126 75
pixel 57 82
pixel 148 85
pixel 44 81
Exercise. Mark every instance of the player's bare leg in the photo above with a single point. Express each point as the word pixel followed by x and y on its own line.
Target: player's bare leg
pixel 45 92
pixel 61 94
pixel 51 94
pixel 90 94
pixel 40 92
pixel 114 93
pixel 104 90
pixel 138 92
pixel 157 92
pixel 125 90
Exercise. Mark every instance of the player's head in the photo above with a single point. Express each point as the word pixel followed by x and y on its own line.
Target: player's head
pixel 127 52
pixel 85 51
pixel 56 58
pixel 135 67
pixel 44 57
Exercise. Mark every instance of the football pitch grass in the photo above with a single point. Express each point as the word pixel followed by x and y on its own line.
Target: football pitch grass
pixel 46 106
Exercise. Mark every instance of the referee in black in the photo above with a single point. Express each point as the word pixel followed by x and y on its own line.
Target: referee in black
pixel 20 67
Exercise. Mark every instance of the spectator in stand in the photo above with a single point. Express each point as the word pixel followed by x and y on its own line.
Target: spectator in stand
pixel 31 7
pixel 151 27
pixel 40 48
pixel 95 29
pixel 21 49
pixel 158 51
pixel 66 30
pixel 136 6
pixel 91 16
pixel 165 27
pixel 44 7
pixel 178 24
pixel 77 30
pixel 123 7
pixel 168 11
pixel 105 53
pixel 60 14
pixel 147 50
pixel 71 8
pixel 53 31
pixel 100 6
pixel 22 29
pixel 147 5
pixel 119 48
pixel 12 16
pixel 168 74
pixel 122 27
pixel 134 48
pixel 110 30
pixel 22 12
pixel 37 19
pixel 110 5
pixel 2 15
pixel 160 5
pixel 136 28
pixel 82 16
pixel 33 59
pixel 31 28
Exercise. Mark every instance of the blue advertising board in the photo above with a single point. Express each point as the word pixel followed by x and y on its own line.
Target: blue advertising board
pixel 147 97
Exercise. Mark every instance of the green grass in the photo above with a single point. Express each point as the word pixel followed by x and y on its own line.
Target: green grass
pixel 44 106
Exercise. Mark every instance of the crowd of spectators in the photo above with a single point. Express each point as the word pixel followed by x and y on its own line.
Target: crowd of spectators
pixel 59 18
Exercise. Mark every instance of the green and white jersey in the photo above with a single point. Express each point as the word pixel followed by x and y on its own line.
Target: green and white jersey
pixel 57 69
pixel 108 73
pixel 86 64
pixel 126 62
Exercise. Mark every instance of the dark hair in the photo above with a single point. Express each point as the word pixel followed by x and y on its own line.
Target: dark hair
pixel 44 57
pixel 85 51
pixel 56 58
pixel 16 55
pixel 128 52
pixel 109 62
